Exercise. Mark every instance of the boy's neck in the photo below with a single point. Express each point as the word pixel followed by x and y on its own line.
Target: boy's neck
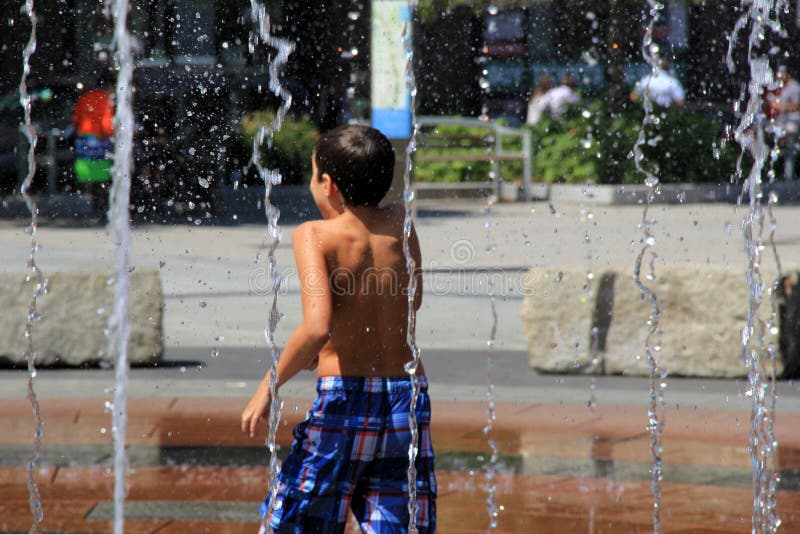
pixel 362 212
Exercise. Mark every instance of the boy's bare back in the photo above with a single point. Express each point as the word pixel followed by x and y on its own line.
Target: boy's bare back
pixel 367 278
pixel 352 270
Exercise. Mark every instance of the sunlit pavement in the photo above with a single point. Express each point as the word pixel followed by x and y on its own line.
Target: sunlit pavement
pixel 216 286
pixel 562 468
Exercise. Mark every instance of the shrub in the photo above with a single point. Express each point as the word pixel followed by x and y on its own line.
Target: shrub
pixel 459 140
pixel 592 144
pixel 291 147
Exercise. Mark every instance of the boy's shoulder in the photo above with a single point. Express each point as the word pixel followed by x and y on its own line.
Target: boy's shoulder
pixel 326 233
pixel 321 235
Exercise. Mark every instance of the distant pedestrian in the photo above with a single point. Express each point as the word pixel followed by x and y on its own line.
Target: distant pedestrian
pixel 661 87
pixel 556 101
pixel 784 105
pixel 536 101
pixel 93 119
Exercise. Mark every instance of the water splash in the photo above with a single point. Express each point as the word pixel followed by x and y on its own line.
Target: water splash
pixel 655 410
pixel 119 216
pixel 411 268
pixel 271 178
pixel 350 53
pixel 594 339
pixel 492 509
pixel 490 468
pixel 34 273
pixel 758 356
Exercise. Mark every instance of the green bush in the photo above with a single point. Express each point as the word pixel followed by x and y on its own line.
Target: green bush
pixel 591 144
pixel 291 148
pixel 464 141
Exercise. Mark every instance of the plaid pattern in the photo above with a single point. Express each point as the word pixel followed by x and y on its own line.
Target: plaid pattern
pixel 352 451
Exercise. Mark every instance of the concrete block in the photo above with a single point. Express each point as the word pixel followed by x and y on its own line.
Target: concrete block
pixel 74 314
pixel 557 316
pixel 703 312
pixel 576 325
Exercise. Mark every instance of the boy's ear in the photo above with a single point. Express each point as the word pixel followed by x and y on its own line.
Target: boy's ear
pixel 329 186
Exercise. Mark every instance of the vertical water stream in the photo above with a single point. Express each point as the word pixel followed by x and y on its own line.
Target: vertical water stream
pixel 271 178
pixel 492 508
pixel 490 468
pixel 119 321
pixel 34 273
pixel 655 411
pixel 411 268
pixel 758 355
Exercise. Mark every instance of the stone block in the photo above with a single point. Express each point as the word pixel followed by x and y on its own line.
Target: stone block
pixel 702 313
pixel 74 313
pixel 576 325
pixel 557 317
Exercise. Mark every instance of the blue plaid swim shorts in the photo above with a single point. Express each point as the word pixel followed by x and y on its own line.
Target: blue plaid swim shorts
pixel 352 452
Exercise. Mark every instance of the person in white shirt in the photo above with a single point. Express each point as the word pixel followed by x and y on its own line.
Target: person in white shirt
pixel 786 107
pixel 536 103
pixel 556 100
pixel 661 87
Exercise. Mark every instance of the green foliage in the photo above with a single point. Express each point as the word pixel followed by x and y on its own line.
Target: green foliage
pixel 462 141
pixel 564 151
pixel 291 148
pixel 592 144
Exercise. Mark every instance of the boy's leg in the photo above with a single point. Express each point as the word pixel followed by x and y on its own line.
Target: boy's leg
pixel 307 500
pixel 332 448
pixel 380 502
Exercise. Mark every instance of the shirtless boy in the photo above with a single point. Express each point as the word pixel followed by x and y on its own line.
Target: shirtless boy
pixel 352 449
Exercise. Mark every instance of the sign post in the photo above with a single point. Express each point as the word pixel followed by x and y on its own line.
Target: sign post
pixel 390 99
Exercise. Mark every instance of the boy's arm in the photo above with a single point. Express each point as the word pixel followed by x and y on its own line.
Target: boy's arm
pixel 312 334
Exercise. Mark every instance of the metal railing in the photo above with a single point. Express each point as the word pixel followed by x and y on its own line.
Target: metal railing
pixel 493 152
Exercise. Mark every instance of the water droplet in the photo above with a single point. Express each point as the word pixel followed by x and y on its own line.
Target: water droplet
pixel 203 304
pixel 204 183
pixel 214 352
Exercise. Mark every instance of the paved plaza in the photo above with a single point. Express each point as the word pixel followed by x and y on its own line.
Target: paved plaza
pixel 563 467
pixel 217 289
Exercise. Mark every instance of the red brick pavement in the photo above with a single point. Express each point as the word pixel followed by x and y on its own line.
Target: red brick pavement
pixel 532 503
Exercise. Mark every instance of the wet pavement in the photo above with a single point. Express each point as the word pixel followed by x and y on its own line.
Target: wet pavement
pixel 561 468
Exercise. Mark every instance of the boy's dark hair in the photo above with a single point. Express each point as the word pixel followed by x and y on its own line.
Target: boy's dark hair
pixel 359 160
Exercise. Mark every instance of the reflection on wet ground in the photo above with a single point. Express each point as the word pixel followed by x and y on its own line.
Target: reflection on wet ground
pixel 561 469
